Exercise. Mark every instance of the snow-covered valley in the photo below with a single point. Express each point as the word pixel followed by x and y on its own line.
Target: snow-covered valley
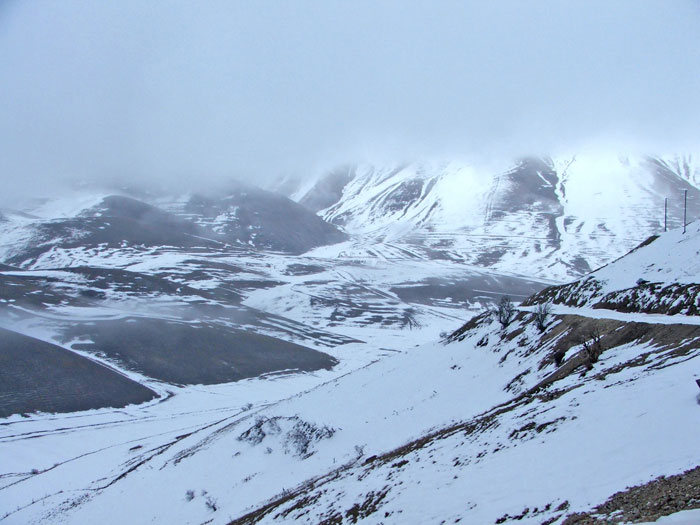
pixel 407 262
pixel 322 372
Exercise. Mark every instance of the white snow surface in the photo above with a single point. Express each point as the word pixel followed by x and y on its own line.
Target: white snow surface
pixel 593 207
pixel 179 458
pixel 672 258
pixel 660 275
pixel 601 430
pixel 685 517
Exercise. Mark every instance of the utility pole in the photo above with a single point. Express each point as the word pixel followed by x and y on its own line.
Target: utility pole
pixel 685 207
pixel 665 212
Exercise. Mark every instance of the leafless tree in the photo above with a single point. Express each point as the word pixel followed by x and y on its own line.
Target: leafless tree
pixel 505 311
pixel 592 346
pixel 542 312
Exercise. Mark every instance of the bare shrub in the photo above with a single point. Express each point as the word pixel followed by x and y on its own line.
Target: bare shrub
pixel 592 347
pixel 211 504
pixel 298 436
pixel 303 434
pixel 542 312
pixel 263 427
pixel 505 311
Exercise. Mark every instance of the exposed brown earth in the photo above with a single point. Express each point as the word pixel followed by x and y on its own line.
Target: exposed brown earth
pixel 644 503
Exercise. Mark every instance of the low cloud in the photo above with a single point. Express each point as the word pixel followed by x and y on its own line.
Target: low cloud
pixel 173 92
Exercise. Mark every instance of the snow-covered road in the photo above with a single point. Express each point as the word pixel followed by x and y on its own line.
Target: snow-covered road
pixel 602 313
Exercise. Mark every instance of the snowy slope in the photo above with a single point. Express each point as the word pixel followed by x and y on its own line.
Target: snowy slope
pixel 398 411
pixel 686 166
pixel 552 218
pixel 179 290
pixel 484 429
pixel 241 216
pixel 660 276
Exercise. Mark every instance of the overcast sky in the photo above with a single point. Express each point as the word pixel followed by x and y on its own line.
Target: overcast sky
pixel 171 90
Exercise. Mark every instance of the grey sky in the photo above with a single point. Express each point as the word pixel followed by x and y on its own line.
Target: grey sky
pixel 178 90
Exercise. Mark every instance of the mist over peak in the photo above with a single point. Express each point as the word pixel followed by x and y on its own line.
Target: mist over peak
pixel 172 92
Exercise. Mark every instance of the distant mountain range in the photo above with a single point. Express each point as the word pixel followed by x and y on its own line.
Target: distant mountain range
pixel 240 217
pixel 555 218
pixel 237 357
pixel 252 282
pixel 509 422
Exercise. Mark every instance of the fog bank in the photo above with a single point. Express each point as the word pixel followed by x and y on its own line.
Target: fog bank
pixel 182 91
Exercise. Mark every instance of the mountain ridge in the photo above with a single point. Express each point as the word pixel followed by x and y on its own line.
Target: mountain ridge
pixel 559 218
pixel 514 403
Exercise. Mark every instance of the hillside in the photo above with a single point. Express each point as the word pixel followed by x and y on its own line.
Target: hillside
pixel 248 215
pixel 110 282
pixel 208 290
pixel 35 375
pixel 658 277
pixel 238 217
pixel 553 218
pixel 349 262
pixel 559 419
pixel 493 425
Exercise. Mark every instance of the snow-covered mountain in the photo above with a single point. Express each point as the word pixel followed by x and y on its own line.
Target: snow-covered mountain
pixel 499 423
pixel 551 218
pixel 658 277
pixel 242 216
pixel 201 290
pixel 236 356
